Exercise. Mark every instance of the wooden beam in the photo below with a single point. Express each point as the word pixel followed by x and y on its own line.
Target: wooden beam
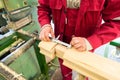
pixel 94 63
pixel 86 63
pixel 83 70
pixel 47 48
pixel 60 50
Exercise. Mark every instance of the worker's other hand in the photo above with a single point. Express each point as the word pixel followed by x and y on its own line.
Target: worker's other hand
pixel 45 31
pixel 79 43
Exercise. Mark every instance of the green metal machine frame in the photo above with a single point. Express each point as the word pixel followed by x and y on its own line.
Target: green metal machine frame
pixel 31 63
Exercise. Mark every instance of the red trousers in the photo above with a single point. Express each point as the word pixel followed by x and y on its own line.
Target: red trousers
pixel 66 72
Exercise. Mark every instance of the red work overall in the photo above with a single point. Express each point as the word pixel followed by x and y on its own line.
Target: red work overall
pixel 84 21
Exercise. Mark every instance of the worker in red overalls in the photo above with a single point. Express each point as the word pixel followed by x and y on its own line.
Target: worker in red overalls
pixel 78 22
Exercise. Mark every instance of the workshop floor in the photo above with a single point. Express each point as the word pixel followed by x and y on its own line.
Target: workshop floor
pixel 57 75
pixel 54 72
pixel 55 68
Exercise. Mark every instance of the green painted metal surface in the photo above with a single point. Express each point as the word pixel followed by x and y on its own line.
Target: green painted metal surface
pixel 1 4
pixel 2 77
pixel 6 42
pixel 31 64
pixel 26 65
pixel 14 4
pixel 42 63
pixel 115 42
pixel 34 25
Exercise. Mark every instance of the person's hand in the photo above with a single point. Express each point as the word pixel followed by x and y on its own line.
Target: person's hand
pixel 78 43
pixel 46 30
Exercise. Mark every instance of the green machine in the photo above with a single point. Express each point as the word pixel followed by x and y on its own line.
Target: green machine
pixel 19 53
pixel 116 43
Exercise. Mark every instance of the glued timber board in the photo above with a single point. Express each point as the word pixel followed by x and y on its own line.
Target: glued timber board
pixel 86 63
pixel 92 65
pixel 60 50
pixel 47 48
pixel 83 69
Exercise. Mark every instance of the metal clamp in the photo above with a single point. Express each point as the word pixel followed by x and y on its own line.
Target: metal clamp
pixel 60 42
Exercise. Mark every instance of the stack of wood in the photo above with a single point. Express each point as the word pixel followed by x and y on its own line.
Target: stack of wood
pixel 86 63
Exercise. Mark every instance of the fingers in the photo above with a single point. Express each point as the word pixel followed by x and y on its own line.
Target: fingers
pixel 46 37
pixel 81 48
pixel 78 43
pixel 43 36
pixel 52 33
pixel 74 41
pixel 45 32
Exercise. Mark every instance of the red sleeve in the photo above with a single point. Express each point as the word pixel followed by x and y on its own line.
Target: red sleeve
pixel 44 12
pixel 111 28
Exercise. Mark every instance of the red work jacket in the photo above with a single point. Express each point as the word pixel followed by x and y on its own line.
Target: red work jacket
pixel 84 21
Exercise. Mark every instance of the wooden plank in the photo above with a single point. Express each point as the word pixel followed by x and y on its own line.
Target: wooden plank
pixel 97 64
pixel 60 50
pixel 83 70
pixel 47 48
pixel 86 63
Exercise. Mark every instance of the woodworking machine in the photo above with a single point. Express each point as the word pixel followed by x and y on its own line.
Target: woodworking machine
pixel 18 50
